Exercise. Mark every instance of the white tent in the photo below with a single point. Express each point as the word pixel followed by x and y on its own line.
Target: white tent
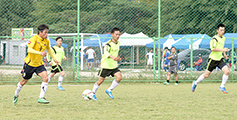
pixel 138 39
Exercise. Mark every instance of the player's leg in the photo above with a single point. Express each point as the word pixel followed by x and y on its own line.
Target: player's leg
pixel 96 86
pixel 60 80
pixel 177 79
pixel 226 71
pixel 27 73
pixel 44 86
pixel 168 78
pixel 51 75
pixel 115 83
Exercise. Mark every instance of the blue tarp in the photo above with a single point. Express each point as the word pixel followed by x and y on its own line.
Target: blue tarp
pixel 185 42
pixel 228 41
pixel 93 41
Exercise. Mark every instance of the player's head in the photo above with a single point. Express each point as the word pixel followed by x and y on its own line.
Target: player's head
pixel 59 41
pixel 115 32
pixel 173 49
pixel 151 50
pixel 166 49
pixel 43 31
pixel 220 29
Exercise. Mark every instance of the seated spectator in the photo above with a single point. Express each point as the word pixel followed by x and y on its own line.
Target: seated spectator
pixel 198 63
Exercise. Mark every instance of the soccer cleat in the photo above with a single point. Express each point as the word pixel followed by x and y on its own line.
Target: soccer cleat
pixel 176 84
pixel 109 94
pixel 43 101
pixel 15 100
pixel 223 90
pixel 60 88
pixel 194 86
pixel 94 98
pixel 166 83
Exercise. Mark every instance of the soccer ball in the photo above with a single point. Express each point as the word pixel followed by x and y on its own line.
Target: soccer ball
pixel 87 94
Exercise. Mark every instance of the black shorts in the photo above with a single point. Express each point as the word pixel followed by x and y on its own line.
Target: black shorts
pixel 107 72
pixel 56 69
pixel 212 64
pixel 28 71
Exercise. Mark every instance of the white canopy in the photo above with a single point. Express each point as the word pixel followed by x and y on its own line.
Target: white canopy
pixel 138 39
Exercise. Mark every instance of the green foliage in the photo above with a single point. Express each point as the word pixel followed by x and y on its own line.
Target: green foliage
pixel 99 16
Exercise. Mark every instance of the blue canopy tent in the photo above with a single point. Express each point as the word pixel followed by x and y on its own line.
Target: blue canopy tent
pixel 228 42
pixel 96 40
pixel 185 42
pixel 53 43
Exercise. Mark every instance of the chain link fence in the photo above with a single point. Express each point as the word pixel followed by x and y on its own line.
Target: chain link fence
pixel 187 25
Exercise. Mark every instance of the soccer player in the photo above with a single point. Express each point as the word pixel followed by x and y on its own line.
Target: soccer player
pixel 173 57
pixel 149 59
pixel 59 54
pixel 216 59
pixel 166 61
pixel 34 62
pixel 109 64
pixel 90 60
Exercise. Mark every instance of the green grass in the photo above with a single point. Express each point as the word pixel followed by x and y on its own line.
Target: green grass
pixel 132 101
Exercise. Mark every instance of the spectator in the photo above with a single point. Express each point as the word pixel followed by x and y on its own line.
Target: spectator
pixel 149 59
pixel 166 61
pixel 198 63
pixel 90 60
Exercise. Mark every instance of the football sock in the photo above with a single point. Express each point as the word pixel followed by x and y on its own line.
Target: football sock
pixel 18 89
pixel 49 78
pixel 199 79
pixel 44 87
pixel 113 85
pixel 168 81
pixel 60 80
pixel 95 88
pixel 224 80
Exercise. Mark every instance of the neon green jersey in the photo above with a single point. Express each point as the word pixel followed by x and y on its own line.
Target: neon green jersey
pixel 58 53
pixel 217 42
pixel 110 48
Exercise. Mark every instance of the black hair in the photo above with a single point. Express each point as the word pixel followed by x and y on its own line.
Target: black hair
pixel 115 29
pixel 173 47
pixel 59 38
pixel 42 27
pixel 220 25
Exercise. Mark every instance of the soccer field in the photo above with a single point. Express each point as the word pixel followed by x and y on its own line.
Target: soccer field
pixel 132 101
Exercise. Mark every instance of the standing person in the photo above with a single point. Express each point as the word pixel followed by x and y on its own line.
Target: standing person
pixel 109 64
pixel 173 57
pixel 166 60
pixel 59 54
pixel 34 62
pixel 90 60
pixel 216 59
pixel 149 59
pixel 230 59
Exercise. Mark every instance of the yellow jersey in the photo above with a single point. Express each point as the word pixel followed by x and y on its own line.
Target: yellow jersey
pixel 38 44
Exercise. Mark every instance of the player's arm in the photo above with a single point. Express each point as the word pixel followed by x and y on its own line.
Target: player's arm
pixel 225 56
pixel 213 44
pixel 119 59
pixel 30 46
pixel 51 54
pixel 107 54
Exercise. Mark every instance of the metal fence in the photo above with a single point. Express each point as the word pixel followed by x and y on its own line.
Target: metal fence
pixel 188 25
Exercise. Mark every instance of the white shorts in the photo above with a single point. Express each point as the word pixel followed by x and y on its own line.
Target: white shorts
pixel 149 62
